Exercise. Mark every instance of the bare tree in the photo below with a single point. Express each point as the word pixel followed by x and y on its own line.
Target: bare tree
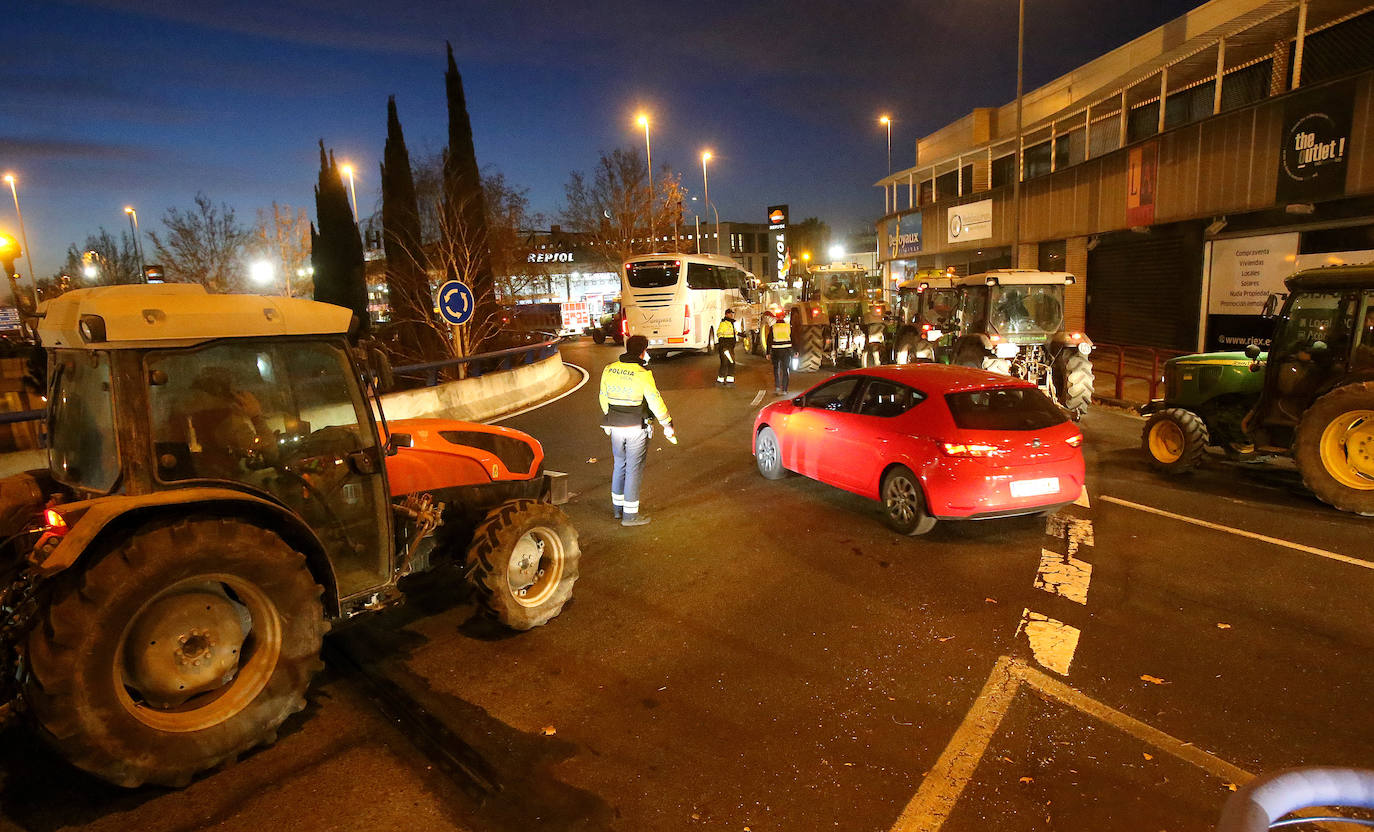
pixel 283 235
pixel 203 245
pixel 111 261
pixel 615 208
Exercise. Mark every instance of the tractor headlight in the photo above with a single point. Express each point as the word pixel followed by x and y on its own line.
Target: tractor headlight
pixel 1085 348
pixel 1005 350
pixel 92 328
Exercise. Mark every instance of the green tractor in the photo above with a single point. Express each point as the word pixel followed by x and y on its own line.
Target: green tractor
pixel 927 319
pixel 1311 396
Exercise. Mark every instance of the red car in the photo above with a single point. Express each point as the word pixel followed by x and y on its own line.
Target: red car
pixel 930 441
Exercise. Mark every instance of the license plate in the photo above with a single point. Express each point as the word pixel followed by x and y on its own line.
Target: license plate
pixel 655 342
pixel 1034 488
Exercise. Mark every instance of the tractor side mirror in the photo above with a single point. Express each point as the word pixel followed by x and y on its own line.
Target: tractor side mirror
pixel 1252 351
pixel 1271 306
pixel 380 367
pixel 397 441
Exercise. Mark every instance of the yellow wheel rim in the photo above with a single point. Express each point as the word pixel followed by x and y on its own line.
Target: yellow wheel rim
pixel 1347 449
pixel 1166 441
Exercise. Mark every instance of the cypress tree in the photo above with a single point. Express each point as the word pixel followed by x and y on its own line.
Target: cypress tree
pixel 405 277
pixel 466 205
pixel 336 249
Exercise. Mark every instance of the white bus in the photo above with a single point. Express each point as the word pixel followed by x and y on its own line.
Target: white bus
pixel 677 299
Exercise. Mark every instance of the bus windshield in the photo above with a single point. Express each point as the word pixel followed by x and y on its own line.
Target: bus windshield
pixel 656 274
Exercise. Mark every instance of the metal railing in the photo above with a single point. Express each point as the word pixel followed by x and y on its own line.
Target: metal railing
pixel 431 372
pixel 1134 363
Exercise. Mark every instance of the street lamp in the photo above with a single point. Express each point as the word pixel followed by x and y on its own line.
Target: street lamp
pixel 1016 169
pixel 261 272
pixel 886 121
pixel 89 265
pixel 706 186
pixel 836 253
pixel 643 121
pixel 23 237
pixel 138 244
pixel 353 189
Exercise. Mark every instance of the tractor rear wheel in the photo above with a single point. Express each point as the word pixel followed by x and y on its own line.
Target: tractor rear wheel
pixel 810 341
pixel 908 348
pixel 185 645
pixel 1074 383
pixel 598 336
pixel 523 563
pixel 1174 440
pixel 1334 448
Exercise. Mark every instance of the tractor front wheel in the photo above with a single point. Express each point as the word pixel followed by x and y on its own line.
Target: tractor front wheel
pixel 1334 448
pixel 1174 440
pixel 186 644
pixel 523 563
pixel 1074 383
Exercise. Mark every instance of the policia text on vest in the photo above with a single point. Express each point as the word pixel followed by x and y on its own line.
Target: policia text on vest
pixel 629 402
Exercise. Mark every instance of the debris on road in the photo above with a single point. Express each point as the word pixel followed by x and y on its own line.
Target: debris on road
pixel 548 730
pixel 1154 680
pixel 1223 626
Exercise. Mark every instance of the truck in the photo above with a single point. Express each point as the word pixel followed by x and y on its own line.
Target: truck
pixel 223 487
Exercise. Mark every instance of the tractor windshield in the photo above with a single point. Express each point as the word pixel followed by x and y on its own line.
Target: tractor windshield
pixel 1319 324
pixel 939 307
pixel 1028 309
pixel 840 287
pixel 82 451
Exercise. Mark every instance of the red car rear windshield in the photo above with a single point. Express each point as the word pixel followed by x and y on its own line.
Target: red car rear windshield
pixel 1008 408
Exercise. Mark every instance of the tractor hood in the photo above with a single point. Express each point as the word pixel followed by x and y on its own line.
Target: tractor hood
pixel 1193 380
pixel 1213 358
pixel 445 453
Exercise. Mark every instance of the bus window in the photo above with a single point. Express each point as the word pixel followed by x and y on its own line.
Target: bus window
pixel 703 276
pixel 653 275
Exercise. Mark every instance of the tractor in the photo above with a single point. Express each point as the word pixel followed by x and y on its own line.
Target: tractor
pixel 222 488
pixel 1011 321
pixel 1311 396
pixel 926 325
pixel 835 318
pixel 610 325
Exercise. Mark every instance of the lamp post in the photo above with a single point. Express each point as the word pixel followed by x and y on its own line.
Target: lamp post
pixel 352 188
pixel 886 121
pixel 649 158
pixel 1016 168
pixel 706 186
pixel 138 244
pixel 23 238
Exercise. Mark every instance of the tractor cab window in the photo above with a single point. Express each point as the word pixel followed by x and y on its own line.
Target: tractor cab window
pixel 82 451
pixel 1317 327
pixel 282 417
pixel 973 306
pixel 1363 357
pixel 940 307
pixel 1036 309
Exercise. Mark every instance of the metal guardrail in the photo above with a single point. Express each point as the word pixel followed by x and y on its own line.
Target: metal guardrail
pixel 485 362
pixel 1138 357
pixel 22 416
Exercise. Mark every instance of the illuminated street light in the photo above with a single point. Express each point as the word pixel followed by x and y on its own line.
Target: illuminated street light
pixel 643 120
pixel 836 253
pixel 89 268
pixel 706 186
pixel 23 237
pixel 138 244
pixel 353 189
pixel 886 121
pixel 261 272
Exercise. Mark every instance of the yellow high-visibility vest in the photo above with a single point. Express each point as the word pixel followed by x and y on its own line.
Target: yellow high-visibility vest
pixel 782 334
pixel 726 329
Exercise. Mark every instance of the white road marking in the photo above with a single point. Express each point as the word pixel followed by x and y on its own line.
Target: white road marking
pixel 1083 499
pixel 758 397
pixel 1288 544
pixel 1052 642
pixel 1075 530
pixel 940 790
pixel 585 376
pixel 1064 575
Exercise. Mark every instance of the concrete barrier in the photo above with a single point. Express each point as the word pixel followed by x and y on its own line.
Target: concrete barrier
pixel 484 397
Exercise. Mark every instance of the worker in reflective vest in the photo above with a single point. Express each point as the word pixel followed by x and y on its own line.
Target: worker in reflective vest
pixel 629 402
pixel 780 349
pixel 725 345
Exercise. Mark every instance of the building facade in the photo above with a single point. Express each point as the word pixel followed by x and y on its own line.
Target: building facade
pixel 1181 176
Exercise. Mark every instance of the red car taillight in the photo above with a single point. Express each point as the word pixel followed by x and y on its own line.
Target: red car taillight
pixel 54 523
pixel 624 328
pixel 971 449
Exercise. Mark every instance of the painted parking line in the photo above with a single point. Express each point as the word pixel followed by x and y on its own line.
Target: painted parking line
pixel 940 790
pixel 1287 544
pixel 1064 575
pixel 758 397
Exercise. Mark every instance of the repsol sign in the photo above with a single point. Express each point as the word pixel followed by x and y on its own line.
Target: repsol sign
pixel 550 257
pixel 777 232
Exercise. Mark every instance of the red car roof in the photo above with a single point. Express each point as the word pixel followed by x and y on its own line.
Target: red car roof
pixel 935 379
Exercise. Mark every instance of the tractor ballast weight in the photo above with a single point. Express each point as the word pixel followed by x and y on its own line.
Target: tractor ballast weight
pixel 222 487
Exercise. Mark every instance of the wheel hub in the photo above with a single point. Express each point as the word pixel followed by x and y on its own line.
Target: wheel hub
pixel 901 499
pixel 184 645
pixel 1166 441
pixel 1347 449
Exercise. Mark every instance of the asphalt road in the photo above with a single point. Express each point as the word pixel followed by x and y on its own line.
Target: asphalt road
pixel 766 655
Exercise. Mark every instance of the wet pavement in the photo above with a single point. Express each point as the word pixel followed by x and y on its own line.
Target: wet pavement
pixel 767 655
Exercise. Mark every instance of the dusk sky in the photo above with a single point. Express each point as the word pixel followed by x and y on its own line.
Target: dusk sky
pixel 117 102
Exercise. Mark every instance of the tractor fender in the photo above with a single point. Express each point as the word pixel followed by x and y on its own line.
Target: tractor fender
pixel 90 522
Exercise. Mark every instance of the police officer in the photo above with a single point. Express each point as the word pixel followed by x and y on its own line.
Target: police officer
pixel 629 398
pixel 780 349
pixel 725 345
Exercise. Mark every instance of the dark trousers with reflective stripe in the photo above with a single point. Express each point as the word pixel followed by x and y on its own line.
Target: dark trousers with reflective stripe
pixel 782 368
pixel 726 348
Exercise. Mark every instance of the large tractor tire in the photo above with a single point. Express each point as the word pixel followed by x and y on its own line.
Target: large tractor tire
pixel 908 344
pixel 970 354
pixel 1074 383
pixel 1334 448
pixel 1174 440
pixel 598 336
pixel 523 563
pixel 757 338
pixel 186 644
pixel 810 345
pixel 904 504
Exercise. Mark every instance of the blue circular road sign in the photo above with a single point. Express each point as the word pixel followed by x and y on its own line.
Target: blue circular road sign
pixel 455 302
